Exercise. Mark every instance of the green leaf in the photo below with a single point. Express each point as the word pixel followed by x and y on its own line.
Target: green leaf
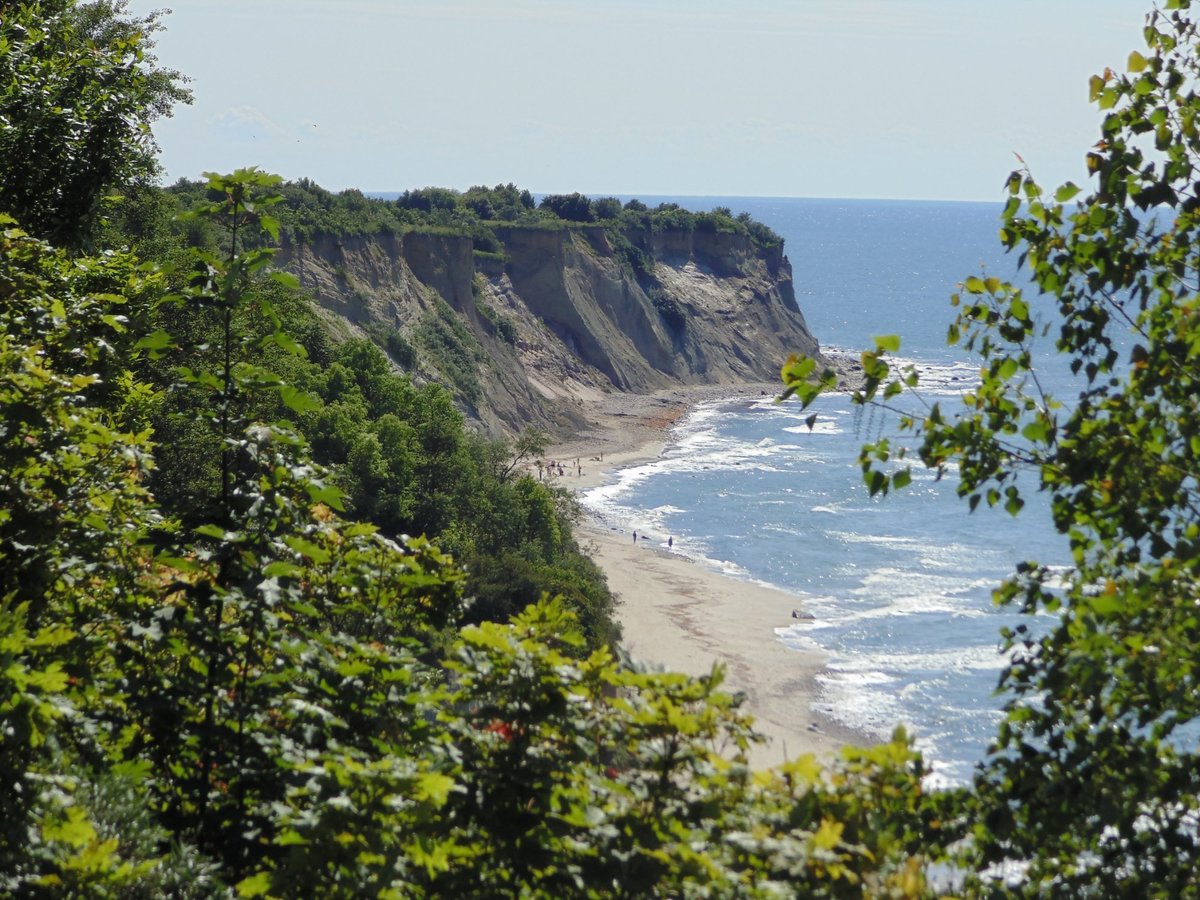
pixel 434 787
pixel 75 830
pixel 1066 192
pixel 1036 431
pixel 270 225
pixel 285 342
pixel 282 569
pixel 179 563
pixel 156 342
pixel 297 400
pixel 877 482
pixel 286 279
pixel 317 554
pixel 887 343
pixel 255 885
pixel 1105 604
pixel 327 494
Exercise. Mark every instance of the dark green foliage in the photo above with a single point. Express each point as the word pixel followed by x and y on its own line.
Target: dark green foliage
pixel 503 325
pixel 507 330
pixel 78 89
pixel 395 344
pixel 719 221
pixel 633 257
pixel 428 200
pixel 452 349
pixel 504 202
pixel 762 235
pixel 606 208
pixel 672 217
pixel 62 338
pixel 569 207
pixel 670 309
pixel 308 211
pixel 400 349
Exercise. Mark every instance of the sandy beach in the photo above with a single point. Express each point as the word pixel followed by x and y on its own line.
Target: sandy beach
pixel 683 616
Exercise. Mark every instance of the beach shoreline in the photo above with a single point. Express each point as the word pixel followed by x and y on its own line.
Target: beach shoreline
pixel 680 615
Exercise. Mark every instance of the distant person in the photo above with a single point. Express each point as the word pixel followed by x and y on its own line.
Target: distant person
pixel 635 537
pixel 670 542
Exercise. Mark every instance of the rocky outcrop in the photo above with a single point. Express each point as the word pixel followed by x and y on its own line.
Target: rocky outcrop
pixel 562 315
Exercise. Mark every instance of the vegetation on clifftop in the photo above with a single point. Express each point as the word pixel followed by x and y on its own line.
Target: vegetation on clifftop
pixel 309 210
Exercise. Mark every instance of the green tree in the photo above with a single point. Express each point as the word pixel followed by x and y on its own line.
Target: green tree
pixel 571 207
pixel 79 87
pixel 72 507
pixel 1091 786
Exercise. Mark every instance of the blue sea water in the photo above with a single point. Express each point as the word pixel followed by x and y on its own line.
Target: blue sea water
pixel 900 588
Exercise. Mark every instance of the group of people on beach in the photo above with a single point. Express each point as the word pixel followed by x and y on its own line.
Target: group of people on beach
pixel 556 468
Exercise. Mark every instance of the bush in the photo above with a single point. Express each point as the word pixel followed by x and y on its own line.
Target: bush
pixel 669 309
pixel 569 207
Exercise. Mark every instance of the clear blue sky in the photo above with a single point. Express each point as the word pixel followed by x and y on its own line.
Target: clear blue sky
pixel 808 98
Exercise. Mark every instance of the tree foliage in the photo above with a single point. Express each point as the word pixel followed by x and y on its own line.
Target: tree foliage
pixel 79 87
pixel 1092 784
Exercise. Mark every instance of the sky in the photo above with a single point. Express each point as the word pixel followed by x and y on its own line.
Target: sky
pixel 887 99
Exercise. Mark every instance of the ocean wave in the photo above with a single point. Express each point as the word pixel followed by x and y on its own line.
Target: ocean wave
pixel 943 660
pixel 820 426
pixel 944 378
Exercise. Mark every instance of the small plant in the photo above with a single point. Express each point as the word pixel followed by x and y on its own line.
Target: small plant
pixel 669 309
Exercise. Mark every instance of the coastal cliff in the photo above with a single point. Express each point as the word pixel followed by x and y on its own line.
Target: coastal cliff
pixel 560 314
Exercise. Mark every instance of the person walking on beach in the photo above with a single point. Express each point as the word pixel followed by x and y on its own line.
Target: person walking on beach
pixel 670 542
pixel 635 537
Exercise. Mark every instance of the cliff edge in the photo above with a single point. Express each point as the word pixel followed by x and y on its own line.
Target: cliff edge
pixel 561 314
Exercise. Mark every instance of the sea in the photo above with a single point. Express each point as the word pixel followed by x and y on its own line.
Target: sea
pixel 898 589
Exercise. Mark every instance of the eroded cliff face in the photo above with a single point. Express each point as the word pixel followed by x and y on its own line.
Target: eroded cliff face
pixel 563 317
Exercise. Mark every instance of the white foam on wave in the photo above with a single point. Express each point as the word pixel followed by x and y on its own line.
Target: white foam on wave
pixel 820 426
pixel 949 659
pixel 946 378
pixel 794 640
pixel 857 677
pixel 882 540
pixel 873 712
